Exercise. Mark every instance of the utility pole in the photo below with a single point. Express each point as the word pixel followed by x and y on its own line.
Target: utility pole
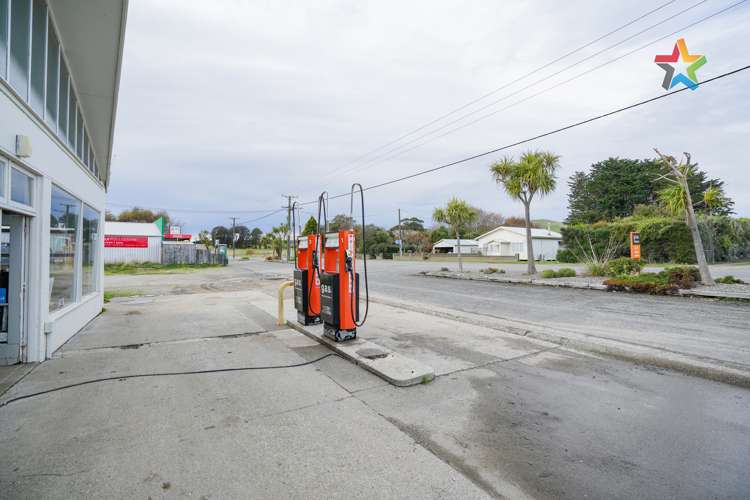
pixel 234 235
pixel 289 198
pixel 400 236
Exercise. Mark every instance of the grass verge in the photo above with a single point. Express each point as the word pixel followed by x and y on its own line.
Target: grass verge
pixel 111 294
pixel 152 268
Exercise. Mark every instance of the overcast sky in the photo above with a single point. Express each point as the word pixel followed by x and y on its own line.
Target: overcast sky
pixel 227 105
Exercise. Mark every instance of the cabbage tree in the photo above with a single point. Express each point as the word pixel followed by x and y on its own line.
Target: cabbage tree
pixel 534 175
pixel 677 199
pixel 457 214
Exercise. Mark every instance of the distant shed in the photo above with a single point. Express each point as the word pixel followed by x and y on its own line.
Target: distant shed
pixel 129 242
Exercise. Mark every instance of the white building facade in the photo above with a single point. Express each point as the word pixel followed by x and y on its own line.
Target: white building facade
pixel 506 241
pixel 446 245
pixel 59 76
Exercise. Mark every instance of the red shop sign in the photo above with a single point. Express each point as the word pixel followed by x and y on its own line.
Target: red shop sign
pixel 125 241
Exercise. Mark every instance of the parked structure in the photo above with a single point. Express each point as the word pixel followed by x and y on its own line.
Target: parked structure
pixel 451 246
pixel 126 242
pixel 59 77
pixel 507 241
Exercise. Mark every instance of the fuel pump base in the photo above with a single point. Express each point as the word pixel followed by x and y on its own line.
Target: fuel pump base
pixel 330 307
pixel 301 298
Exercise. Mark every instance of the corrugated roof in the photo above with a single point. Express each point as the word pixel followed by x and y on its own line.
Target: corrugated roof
pixel 453 243
pixel 535 232
pixel 131 229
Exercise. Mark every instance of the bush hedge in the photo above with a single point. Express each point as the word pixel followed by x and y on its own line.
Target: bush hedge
pixel 563 272
pixel 565 256
pixel 624 266
pixel 663 239
pixel 666 282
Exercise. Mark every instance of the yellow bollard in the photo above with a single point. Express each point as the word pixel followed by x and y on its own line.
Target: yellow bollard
pixel 281 321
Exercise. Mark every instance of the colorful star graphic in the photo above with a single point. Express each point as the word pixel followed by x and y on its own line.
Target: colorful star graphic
pixel 695 61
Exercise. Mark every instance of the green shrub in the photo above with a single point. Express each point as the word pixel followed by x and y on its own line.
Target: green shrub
pixel 651 283
pixel 682 276
pixel 564 272
pixel 623 266
pixel 665 239
pixel 492 270
pixel 566 256
pixel 666 282
pixel 596 269
pixel 730 280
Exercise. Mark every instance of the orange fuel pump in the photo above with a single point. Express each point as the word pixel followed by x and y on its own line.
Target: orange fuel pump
pixel 337 291
pixel 339 281
pixel 307 281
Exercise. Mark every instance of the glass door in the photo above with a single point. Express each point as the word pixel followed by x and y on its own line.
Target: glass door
pixel 12 285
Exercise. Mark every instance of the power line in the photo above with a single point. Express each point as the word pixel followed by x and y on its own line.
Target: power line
pixel 190 210
pixel 584 73
pixel 539 136
pixel 387 154
pixel 278 210
pixel 505 85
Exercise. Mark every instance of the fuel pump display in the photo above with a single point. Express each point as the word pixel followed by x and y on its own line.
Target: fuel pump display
pixel 339 293
pixel 307 281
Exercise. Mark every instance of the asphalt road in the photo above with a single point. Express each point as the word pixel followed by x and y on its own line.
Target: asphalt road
pixel 550 424
pixel 560 424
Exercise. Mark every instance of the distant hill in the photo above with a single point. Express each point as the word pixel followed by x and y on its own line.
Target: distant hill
pixel 554 225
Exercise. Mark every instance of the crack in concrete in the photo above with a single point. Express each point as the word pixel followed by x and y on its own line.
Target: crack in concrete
pixel 75 352
pixel 500 360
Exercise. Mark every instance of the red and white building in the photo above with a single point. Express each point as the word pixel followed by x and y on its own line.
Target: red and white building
pixel 126 242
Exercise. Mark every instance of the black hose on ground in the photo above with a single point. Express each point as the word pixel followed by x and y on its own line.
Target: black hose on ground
pixel 163 374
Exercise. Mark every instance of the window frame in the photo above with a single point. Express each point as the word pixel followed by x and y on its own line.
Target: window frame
pixel 69 139
pixel 77 256
pixel 98 254
pixel 31 185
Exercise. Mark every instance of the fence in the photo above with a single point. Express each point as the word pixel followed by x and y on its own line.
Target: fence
pixel 188 253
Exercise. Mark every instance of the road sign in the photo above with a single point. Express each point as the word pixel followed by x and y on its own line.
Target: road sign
pixel 635 245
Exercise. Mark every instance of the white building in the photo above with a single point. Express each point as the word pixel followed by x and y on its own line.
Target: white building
pixel 451 246
pixel 126 242
pixel 59 77
pixel 506 241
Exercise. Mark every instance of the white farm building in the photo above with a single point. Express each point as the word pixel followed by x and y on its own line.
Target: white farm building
pixel 506 241
pixel 451 246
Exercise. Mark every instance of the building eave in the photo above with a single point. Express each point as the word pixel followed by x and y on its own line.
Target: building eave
pixel 92 34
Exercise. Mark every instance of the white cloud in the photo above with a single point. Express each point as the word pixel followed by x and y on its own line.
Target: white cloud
pixel 227 105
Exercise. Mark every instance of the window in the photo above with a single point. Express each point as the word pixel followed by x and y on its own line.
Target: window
pixel 62 129
pixel 21 186
pixel 2 174
pixel 72 105
pixel 79 133
pixel 4 10
pixel 90 251
pixel 38 52
pixel 20 23
pixel 53 76
pixel 62 248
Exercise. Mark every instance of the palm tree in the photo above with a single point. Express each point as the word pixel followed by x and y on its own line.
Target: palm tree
pixel 533 174
pixel 677 199
pixel 457 214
